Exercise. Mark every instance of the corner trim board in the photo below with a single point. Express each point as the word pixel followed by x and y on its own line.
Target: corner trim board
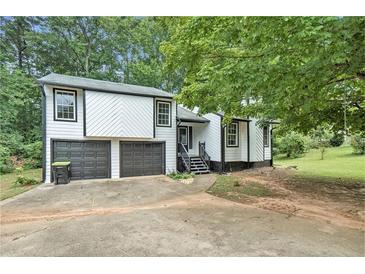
pixel 248 143
pixel 44 134
pixel 84 110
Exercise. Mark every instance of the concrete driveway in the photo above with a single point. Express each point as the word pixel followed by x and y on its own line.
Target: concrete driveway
pixel 155 216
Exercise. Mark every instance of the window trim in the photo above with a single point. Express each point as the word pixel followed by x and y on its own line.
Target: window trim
pixel 55 118
pixel 237 135
pixel 157 113
pixel 268 136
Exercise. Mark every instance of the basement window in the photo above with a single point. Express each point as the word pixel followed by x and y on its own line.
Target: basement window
pixel 65 105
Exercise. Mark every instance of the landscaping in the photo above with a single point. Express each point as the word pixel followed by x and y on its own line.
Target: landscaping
pixel 14 183
pixel 332 189
pixel 281 190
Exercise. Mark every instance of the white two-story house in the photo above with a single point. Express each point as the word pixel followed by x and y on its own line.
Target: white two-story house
pixel 113 130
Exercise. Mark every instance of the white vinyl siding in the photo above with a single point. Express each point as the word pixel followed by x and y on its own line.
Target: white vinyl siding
pixel 234 154
pixel 118 115
pixel 212 136
pixel 256 142
pixel 168 134
pixel 74 131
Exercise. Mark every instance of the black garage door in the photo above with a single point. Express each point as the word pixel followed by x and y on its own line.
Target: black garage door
pixel 89 159
pixel 142 158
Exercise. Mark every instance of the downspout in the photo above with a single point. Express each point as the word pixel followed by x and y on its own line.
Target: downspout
pixel 248 144
pixel 222 147
pixel 271 145
pixel 44 132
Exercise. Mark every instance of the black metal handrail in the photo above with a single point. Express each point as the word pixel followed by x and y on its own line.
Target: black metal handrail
pixel 185 157
pixel 203 154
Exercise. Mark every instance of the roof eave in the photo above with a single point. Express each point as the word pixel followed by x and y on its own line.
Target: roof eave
pixel 102 89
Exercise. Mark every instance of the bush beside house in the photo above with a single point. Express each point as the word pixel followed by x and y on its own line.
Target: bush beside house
pixel 358 143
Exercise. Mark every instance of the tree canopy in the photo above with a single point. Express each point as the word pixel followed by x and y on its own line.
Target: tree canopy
pixel 302 70
pixel 121 49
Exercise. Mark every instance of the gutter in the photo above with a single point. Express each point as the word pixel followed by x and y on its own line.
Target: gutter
pixel 105 90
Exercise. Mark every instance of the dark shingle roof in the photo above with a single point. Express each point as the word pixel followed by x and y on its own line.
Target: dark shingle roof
pixel 188 116
pixel 99 85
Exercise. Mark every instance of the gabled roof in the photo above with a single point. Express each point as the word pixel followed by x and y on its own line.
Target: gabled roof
pixel 186 115
pixel 99 85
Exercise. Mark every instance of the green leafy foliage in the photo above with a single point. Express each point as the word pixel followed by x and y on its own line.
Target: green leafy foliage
pixel 358 143
pixel 122 49
pixel 293 145
pixel 302 70
pixel 321 137
pixel 337 139
pixel 25 181
pixel 181 175
pixel 33 154
pixel 6 165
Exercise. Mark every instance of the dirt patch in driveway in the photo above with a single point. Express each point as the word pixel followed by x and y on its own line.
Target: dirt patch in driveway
pixel 278 189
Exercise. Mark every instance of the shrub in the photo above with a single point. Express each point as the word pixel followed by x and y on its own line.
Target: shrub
pixel 32 153
pixel 358 143
pixel 181 175
pixel 25 181
pixel 293 145
pixel 320 138
pixel 13 142
pixel 337 139
pixel 6 164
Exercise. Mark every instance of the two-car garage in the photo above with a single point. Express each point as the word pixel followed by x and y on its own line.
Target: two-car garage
pixel 92 159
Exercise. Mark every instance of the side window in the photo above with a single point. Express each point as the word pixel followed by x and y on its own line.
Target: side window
pixel 232 135
pixel 163 116
pixel 65 105
pixel 266 136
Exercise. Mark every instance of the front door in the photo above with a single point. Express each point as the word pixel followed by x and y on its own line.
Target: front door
pixel 182 137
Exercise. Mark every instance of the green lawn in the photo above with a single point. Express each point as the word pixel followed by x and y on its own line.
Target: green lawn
pixel 7 189
pixel 338 163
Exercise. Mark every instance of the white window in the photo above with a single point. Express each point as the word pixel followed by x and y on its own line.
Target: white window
pixel 266 136
pixel 163 114
pixel 65 105
pixel 232 135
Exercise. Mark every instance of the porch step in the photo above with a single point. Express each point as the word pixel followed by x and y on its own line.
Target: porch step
pixel 198 166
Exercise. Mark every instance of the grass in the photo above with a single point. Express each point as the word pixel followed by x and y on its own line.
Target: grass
pixel 339 163
pixel 7 187
pixel 230 184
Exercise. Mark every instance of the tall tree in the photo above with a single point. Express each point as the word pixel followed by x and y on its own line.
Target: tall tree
pixel 15 42
pixel 73 45
pixel 302 70
pixel 135 43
